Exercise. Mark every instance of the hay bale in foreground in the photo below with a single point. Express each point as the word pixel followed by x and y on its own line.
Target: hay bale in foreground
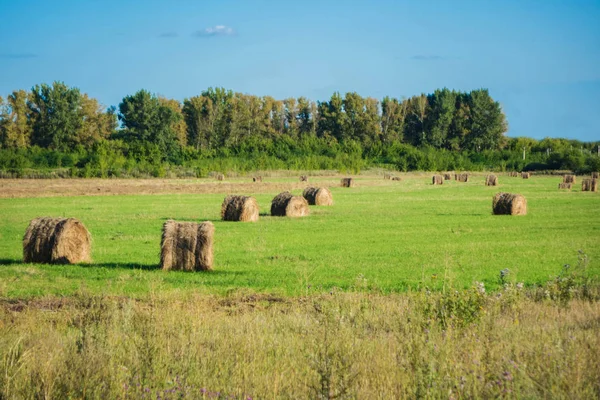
pixel 286 204
pixel 396 178
pixel 318 196
pixel 220 177
pixel 447 177
pixel 437 180
pixel 589 185
pixel 187 246
pixel 239 208
pixel 595 175
pixel 462 177
pixel 525 175
pixel 303 178
pixel 347 182
pixel 491 180
pixel 569 179
pixel 56 241
pixel 564 185
pixel 509 204
pixel 257 179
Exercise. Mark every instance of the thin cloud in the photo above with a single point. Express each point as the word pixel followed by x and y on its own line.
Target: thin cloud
pixel 431 57
pixel 168 35
pixel 218 30
pixel 17 56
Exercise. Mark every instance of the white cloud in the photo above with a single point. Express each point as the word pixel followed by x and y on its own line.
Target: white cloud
pixel 217 30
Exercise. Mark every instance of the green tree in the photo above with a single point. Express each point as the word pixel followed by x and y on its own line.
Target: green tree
pixel 488 123
pixel 442 105
pixel 15 125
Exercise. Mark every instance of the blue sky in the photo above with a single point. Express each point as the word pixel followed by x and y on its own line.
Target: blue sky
pixel 540 59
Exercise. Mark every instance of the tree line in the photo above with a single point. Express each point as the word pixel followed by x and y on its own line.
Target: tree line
pixel 220 124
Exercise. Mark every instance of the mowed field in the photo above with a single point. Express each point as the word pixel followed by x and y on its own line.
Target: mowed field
pixel 382 235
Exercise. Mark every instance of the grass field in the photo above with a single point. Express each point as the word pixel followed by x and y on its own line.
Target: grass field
pixel 383 236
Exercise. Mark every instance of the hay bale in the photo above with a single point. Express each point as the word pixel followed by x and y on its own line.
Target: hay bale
pixel 56 241
pixel 595 175
pixel 387 175
pixel 318 196
pixel 565 185
pixel 525 175
pixel 239 208
pixel 286 204
pixel 220 177
pixel 447 177
pixel 509 204
pixel 462 177
pixel 569 179
pixel 491 180
pixel 303 178
pixel 396 178
pixel 187 246
pixel 257 179
pixel 589 185
pixel 513 174
pixel 437 180
pixel 347 182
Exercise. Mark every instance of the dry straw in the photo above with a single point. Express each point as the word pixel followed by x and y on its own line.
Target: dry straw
pixel 525 175
pixel 569 179
pixel 257 179
pixel 56 241
pixel 589 185
pixel 447 176
pixel 347 182
pixel 187 246
pixel 462 177
pixel 239 208
pixel 491 180
pixel 286 204
pixel 509 204
pixel 318 196
pixel 437 180
pixel 564 185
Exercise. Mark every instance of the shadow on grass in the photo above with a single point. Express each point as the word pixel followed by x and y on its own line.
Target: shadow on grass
pixel 10 261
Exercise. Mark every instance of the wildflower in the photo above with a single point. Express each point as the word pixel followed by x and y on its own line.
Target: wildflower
pixel 520 285
pixel 480 286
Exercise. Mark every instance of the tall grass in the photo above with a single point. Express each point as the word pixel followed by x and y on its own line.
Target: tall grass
pixel 453 344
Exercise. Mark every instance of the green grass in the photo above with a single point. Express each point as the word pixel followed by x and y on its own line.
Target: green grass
pixel 385 236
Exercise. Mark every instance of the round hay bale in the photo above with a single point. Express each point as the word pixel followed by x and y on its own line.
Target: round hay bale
pixel 491 180
pixel 286 204
pixel 437 180
pixel 595 175
pixel 525 175
pixel 239 208
pixel 464 177
pixel 347 182
pixel 220 177
pixel 447 177
pixel 318 196
pixel 565 185
pixel 303 178
pixel 569 179
pixel 187 246
pixel 589 185
pixel 396 178
pixel 257 179
pixel 56 241
pixel 509 204
pixel 387 175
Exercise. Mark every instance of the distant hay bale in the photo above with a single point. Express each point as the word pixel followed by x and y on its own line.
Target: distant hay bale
pixel 595 175
pixel 303 178
pixel 513 174
pixel 318 196
pixel 437 180
pixel 347 182
pixel 569 179
pixel 286 204
pixel 239 208
pixel 187 246
pixel 396 178
pixel 219 177
pixel 257 179
pixel 491 180
pixel 564 185
pixel 462 177
pixel 589 185
pixel 387 175
pixel 447 177
pixel 509 204
pixel 525 175
pixel 56 241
